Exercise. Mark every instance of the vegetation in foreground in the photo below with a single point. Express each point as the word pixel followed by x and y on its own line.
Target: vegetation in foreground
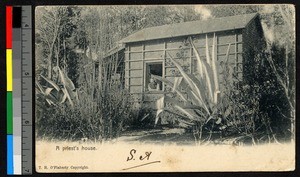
pixel 70 107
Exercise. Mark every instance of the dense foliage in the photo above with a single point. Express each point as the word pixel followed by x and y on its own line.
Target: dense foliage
pixel 71 105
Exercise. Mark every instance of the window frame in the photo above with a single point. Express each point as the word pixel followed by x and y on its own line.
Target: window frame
pixel 146 63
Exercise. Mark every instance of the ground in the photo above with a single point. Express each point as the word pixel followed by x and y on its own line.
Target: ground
pixel 158 136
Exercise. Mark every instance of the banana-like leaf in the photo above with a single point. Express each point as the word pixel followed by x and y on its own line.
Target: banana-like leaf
pixel 41 89
pixel 69 87
pixel 63 98
pixel 48 91
pixel 53 99
pixel 51 83
pixel 67 82
pixel 68 96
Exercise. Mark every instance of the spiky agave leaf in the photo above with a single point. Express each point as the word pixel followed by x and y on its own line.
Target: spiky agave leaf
pixel 188 112
pixel 215 73
pixel 207 73
pixel 209 80
pixel 160 106
pixel 228 70
pixel 185 105
pixel 207 51
pixel 177 82
pixel 199 64
pixel 169 83
pixel 194 99
pixel 198 106
pixel 186 77
pixel 186 108
pixel 186 120
pixel 69 87
pixel 227 53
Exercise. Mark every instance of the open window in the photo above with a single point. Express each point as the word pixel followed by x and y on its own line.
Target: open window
pixel 153 68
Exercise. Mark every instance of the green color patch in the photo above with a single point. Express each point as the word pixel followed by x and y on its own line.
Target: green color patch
pixel 9 113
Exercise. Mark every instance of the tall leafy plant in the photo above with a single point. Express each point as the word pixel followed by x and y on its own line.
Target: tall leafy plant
pixel 55 93
pixel 199 92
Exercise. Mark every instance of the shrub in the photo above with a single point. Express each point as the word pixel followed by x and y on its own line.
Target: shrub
pixel 202 90
pixel 83 116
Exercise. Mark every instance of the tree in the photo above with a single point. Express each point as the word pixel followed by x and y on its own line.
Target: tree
pixel 278 76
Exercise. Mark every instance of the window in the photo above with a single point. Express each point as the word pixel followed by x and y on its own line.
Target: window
pixel 152 84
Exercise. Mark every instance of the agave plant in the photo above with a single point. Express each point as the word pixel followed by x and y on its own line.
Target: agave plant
pixel 199 99
pixel 58 92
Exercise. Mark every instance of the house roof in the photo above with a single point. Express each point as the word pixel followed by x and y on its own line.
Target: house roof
pixel 191 27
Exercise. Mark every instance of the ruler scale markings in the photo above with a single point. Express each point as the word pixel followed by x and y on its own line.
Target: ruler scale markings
pixel 26 91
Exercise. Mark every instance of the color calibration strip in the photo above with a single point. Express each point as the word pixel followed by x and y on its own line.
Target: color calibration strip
pixel 18 63
pixel 9 95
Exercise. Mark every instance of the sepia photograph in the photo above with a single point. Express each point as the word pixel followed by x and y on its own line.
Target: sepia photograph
pixel 165 88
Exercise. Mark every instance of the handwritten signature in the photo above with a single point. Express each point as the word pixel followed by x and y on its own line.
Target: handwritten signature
pixel 143 157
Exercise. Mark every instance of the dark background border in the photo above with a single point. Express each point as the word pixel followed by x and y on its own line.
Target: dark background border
pixel 124 2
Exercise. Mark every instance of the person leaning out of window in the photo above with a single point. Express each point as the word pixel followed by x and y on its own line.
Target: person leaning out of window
pixel 153 85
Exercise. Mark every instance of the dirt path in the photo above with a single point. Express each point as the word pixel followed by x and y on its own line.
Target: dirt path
pixel 158 136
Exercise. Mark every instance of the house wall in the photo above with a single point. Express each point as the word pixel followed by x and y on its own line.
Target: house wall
pixel 139 53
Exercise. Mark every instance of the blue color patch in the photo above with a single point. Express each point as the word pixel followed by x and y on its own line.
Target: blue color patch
pixel 10 155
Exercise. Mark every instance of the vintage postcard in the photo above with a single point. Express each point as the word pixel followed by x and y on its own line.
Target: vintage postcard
pixel 165 88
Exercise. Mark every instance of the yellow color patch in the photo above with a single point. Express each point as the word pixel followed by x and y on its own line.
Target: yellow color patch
pixel 9 70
